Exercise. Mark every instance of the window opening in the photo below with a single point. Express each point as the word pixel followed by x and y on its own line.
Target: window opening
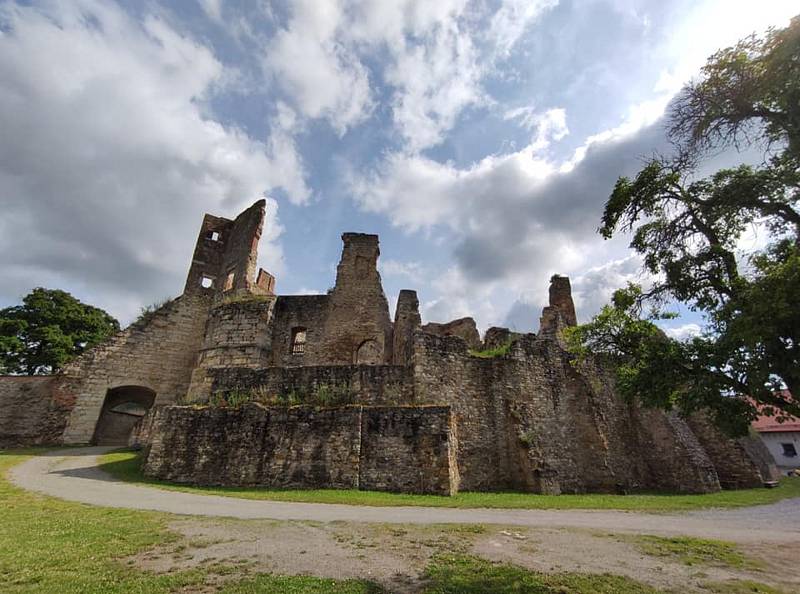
pixel 206 282
pixel 229 281
pixel 789 450
pixel 298 341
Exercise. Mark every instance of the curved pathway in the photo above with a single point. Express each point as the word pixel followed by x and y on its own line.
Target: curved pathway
pixel 73 475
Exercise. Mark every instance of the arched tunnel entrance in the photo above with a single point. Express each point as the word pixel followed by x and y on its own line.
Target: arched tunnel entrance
pixel 122 409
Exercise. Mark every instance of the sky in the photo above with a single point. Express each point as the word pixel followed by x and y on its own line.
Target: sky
pixel 480 140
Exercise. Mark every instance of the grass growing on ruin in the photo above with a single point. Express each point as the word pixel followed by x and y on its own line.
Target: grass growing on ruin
pixel 125 465
pixel 48 545
pixel 497 351
pixel 694 551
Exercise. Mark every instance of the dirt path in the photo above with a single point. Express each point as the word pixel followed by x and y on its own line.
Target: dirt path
pixel 73 475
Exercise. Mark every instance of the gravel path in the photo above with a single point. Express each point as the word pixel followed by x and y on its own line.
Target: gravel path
pixel 73 475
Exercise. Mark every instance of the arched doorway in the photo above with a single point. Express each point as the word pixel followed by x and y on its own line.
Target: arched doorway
pixel 122 409
pixel 368 353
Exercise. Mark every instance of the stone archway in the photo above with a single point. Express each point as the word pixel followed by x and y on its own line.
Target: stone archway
pixel 122 409
pixel 368 353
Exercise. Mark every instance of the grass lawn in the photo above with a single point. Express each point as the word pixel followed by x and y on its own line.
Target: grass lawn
pixel 125 465
pixel 472 575
pixel 694 551
pixel 49 546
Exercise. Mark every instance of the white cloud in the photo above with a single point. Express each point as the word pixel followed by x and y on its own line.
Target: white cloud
pixel 684 332
pixel 512 19
pixel 109 157
pixel 322 75
pixel 413 271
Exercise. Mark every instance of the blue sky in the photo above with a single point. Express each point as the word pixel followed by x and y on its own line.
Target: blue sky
pixel 480 139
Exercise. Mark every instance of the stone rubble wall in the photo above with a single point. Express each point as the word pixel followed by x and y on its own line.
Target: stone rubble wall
pixel 237 334
pixel 365 384
pixel 531 421
pixel 299 311
pixel 389 448
pixel 406 321
pixel 464 328
pixel 158 352
pixel 741 463
pixel 30 414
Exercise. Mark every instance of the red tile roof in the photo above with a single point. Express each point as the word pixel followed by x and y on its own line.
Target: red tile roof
pixel 771 424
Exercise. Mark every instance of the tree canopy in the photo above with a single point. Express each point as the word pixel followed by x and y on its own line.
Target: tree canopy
pixel 689 232
pixel 48 329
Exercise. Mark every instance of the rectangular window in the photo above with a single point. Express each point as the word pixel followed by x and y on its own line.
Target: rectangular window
pixel 789 450
pixel 298 341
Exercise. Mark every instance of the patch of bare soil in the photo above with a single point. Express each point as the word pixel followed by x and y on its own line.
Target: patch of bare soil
pixel 395 555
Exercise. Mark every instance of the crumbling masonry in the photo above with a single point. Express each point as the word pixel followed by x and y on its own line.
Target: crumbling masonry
pixel 232 384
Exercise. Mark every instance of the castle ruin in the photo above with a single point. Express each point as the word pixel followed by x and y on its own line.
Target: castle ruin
pixel 231 384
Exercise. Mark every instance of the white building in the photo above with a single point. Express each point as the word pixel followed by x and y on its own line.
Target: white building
pixel 782 440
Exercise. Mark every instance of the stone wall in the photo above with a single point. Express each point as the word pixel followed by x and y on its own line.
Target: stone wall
pixel 357 326
pixel 225 255
pixel 408 450
pixel 406 321
pixel 304 447
pixel 531 421
pixel 365 384
pixel 743 463
pixel 158 352
pixel 237 334
pixel 308 312
pixel 464 328
pixel 31 413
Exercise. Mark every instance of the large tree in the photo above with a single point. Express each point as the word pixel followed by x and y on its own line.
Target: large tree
pixel 48 329
pixel 689 233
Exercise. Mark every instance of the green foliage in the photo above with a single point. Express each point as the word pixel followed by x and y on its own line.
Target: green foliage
pixel 49 329
pixel 497 351
pixel 688 232
pixel 147 312
pixel 466 575
pixel 126 466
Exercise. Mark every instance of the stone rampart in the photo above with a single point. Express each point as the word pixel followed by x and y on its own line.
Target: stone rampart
pixel 158 352
pixel 530 420
pixel 304 447
pixel 30 411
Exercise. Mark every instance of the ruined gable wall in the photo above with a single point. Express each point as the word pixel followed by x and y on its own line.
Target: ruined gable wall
pixel 366 384
pixel 302 447
pixel 158 352
pixel 406 321
pixel 31 412
pixel 241 248
pixel 357 326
